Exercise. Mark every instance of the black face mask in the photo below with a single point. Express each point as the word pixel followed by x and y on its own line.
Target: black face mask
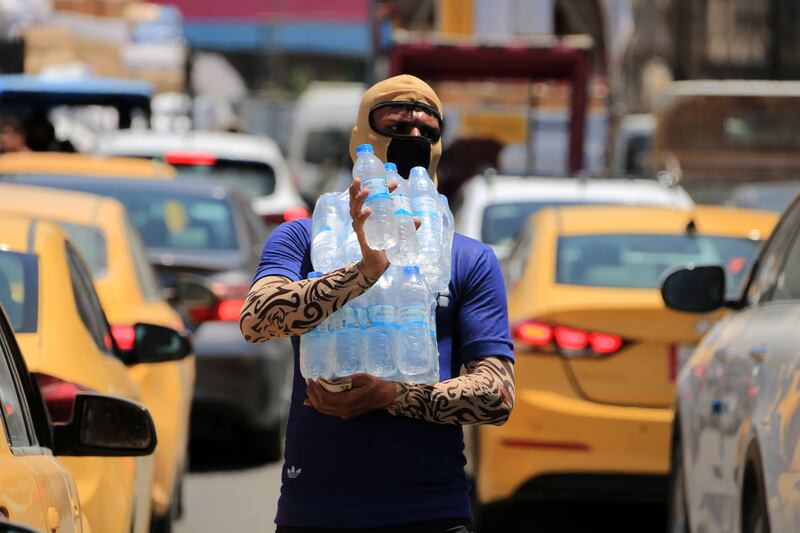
pixel 409 152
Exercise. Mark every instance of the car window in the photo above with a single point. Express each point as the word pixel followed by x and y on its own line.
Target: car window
pixel 91 243
pixel 514 266
pixel 19 295
pixel 328 145
pixel 255 178
pixel 765 276
pixel 89 308
pixel 788 282
pixel 639 260
pixel 501 222
pixel 11 402
pixel 144 270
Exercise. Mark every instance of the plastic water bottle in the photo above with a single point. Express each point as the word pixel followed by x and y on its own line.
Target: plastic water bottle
pixel 316 348
pixel 326 241
pixel 352 249
pixel 381 326
pixel 406 250
pixel 380 229
pixel 414 353
pixel 425 201
pixel 349 342
pixel 441 282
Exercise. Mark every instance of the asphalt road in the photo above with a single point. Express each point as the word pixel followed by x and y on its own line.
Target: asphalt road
pixel 244 501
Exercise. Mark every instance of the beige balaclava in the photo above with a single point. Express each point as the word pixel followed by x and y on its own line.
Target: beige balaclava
pixel 402 88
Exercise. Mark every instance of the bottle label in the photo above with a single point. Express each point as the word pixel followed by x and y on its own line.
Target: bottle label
pixel 376 186
pixel 401 205
pixel 412 315
pixel 377 196
pixel 380 315
pixel 424 204
pixel 348 318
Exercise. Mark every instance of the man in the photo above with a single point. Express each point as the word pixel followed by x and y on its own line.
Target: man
pixel 12 136
pixel 385 456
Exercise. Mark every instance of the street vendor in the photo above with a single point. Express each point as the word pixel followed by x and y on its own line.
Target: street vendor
pixel 385 456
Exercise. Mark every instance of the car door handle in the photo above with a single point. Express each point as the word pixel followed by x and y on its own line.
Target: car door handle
pixel 759 353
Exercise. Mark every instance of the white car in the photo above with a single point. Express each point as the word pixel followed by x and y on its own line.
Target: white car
pixel 736 436
pixel 254 163
pixel 493 208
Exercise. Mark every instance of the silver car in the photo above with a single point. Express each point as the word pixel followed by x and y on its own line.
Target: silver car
pixel 736 437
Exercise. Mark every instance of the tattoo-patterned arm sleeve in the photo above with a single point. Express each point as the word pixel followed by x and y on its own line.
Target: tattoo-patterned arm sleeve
pixel 483 395
pixel 277 307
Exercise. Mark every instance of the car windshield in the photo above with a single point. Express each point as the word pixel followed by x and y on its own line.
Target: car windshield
pixel 19 290
pixel 91 243
pixel 638 261
pixel 254 178
pixel 501 222
pixel 328 145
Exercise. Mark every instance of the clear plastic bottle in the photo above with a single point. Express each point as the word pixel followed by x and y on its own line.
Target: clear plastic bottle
pixel 442 280
pixel 326 231
pixel 425 201
pixel 316 348
pixel 406 250
pixel 414 352
pixel 349 342
pixel 380 229
pixel 382 326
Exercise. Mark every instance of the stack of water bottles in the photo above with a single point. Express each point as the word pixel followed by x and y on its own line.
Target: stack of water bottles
pixel 390 330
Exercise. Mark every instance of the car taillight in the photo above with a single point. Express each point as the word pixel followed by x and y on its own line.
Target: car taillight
pixel 124 336
pixel 190 158
pixel 293 213
pixel 59 396
pixel 572 342
pixel 226 306
pixel 229 309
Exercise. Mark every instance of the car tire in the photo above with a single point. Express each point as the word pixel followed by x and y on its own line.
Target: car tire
pixel 678 517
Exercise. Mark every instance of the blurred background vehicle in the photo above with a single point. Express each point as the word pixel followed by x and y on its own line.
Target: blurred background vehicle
pixel 735 453
pixel 492 208
pixel 634 145
pixel 48 294
pixel 253 163
pixel 769 195
pixel 35 487
pixel 129 293
pixel 78 164
pixel 597 351
pixel 205 242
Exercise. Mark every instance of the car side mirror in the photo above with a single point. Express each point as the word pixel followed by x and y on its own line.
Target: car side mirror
pixel 105 426
pixel 698 289
pixel 12 527
pixel 156 344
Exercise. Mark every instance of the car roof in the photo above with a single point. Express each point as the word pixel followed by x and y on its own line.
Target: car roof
pixel 53 204
pixel 198 188
pixel 225 145
pixel 501 189
pixel 55 163
pixel 92 90
pixel 582 220
pixel 16 235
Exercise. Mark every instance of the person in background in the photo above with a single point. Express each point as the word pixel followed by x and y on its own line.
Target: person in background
pixel 385 456
pixel 12 136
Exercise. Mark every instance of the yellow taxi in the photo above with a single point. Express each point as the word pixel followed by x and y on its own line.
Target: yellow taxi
pixel 99 228
pixel 70 348
pixel 83 165
pixel 597 351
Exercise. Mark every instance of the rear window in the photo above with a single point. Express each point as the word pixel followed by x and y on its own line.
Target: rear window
pixel 637 261
pixel 19 290
pixel 329 145
pixel 254 178
pixel 183 223
pixel 501 222
pixel 91 243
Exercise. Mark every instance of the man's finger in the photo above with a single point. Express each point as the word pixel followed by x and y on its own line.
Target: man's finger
pixel 357 205
pixel 392 186
pixel 417 222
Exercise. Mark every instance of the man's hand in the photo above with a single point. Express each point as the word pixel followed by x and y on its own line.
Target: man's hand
pixel 367 394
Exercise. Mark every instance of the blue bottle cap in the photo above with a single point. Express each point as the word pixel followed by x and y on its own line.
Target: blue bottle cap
pixel 418 171
pixel 314 274
pixel 364 148
pixel 390 167
pixel 409 270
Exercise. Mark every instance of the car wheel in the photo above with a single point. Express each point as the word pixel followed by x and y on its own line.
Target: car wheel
pixel 678 519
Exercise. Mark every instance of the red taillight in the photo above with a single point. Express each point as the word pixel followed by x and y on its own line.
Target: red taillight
pixel 605 344
pixel 571 339
pixel 125 336
pixel 59 396
pixel 533 333
pixel 293 213
pixel 229 309
pixel 226 306
pixel 190 158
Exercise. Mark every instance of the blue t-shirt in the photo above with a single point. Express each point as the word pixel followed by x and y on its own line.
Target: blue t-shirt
pixel 378 469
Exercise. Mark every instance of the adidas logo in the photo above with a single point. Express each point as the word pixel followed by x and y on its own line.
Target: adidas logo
pixel 293 472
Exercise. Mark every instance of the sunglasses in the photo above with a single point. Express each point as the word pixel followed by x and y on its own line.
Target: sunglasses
pixel 400 119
